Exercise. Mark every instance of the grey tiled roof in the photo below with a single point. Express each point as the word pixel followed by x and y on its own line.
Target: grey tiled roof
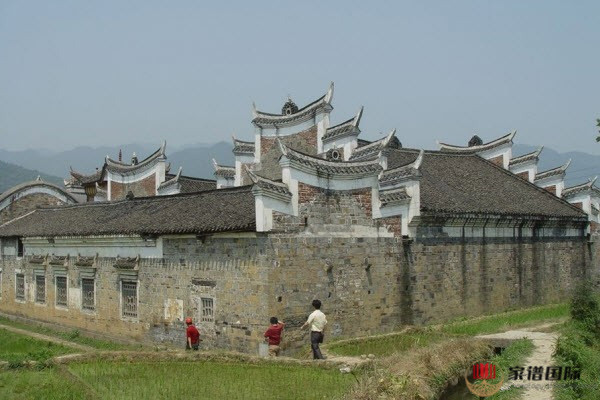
pixel 334 167
pixel 205 212
pixel 533 156
pixel 241 147
pixel 224 170
pixel 120 167
pixel 349 127
pixel 393 196
pixel 372 149
pixel 467 183
pixel 263 118
pixel 36 183
pixel 552 172
pixel 587 186
pixel 83 179
pixel 188 184
pixel 475 149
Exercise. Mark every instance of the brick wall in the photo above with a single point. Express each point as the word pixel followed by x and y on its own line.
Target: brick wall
pixel 551 189
pixel 25 204
pixel 141 188
pixel 499 160
pixel 524 175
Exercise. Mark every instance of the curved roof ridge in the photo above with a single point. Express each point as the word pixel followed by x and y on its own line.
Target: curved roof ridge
pixel 496 142
pixel 34 183
pixel 160 153
pixel 526 157
pixel 553 171
pixel 288 151
pixel 261 117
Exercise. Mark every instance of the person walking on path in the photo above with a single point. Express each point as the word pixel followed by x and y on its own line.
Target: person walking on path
pixel 273 334
pixel 192 335
pixel 316 322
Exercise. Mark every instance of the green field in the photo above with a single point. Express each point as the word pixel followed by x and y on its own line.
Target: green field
pixel 17 348
pixel 72 336
pixel 211 380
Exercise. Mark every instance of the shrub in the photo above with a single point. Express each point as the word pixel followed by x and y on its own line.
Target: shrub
pixel 585 308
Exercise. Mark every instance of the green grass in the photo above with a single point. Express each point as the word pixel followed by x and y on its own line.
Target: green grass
pixel 389 344
pixel 72 336
pixel 507 321
pixel 385 345
pixel 514 355
pixel 211 380
pixel 43 385
pixel 16 348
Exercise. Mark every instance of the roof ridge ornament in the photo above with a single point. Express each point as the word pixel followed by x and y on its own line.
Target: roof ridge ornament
pixel 329 95
pixel 419 160
pixel 358 117
pixel 254 111
pixel 282 147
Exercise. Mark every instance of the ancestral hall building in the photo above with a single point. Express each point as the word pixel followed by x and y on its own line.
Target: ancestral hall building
pixel 384 235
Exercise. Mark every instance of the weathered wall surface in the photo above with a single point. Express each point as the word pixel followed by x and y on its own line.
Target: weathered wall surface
pixel 369 278
pixel 228 271
pixel 25 204
pixel 455 279
pixel 142 188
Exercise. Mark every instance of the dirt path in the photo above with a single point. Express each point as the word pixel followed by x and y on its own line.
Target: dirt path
pixel 544 343
pixel 46 338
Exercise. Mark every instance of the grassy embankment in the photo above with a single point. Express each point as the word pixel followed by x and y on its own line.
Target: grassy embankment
pixel 72 336
pixel 421 337
pixel 16 349
pixel 579 346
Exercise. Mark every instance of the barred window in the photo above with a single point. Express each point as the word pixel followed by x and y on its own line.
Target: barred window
pixel 20 287
pixel 129 300
pixel 40 289
pixel 61 291
pixel 88 294
pixel 207 310
pixel 20 248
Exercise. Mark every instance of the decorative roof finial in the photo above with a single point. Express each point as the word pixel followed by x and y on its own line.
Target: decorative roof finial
pixel 120 155
pixel 134 159
pixel 289 107
pixel 475 141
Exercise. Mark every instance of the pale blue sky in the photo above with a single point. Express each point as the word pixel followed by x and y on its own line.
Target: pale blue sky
pixel 91 73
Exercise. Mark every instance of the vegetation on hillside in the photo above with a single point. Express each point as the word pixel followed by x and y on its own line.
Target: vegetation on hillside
pixel 12 175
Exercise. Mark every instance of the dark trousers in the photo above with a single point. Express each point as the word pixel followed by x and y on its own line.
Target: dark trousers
pixel 195 346
pixel 315 339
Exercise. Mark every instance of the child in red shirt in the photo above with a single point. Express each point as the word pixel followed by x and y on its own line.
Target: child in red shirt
pixel 273 334
pixel 192 334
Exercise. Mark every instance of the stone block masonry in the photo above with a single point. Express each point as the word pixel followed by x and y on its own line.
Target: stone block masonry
pixel 368 277
pixel 26 204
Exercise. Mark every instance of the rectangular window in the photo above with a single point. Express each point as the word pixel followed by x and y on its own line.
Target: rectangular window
pixel 40 289
pixel 20 287
pixel 20 248
pixel 88 294
pixel 207 310
pixel 61 291
pixel 129 300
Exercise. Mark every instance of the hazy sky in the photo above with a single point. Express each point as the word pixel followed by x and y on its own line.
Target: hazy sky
pixel 110 72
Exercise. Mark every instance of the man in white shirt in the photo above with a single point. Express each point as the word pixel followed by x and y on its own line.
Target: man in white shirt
pixel 316 321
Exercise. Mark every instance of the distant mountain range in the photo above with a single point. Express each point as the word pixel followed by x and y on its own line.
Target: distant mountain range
pixel 11 175
pixel 196 160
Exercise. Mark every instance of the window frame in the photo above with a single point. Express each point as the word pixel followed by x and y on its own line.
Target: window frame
pixel 22 299
pixel 56 304
pixel 35 297
pixel 203 318
pixel 84 308
pixel 122 300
